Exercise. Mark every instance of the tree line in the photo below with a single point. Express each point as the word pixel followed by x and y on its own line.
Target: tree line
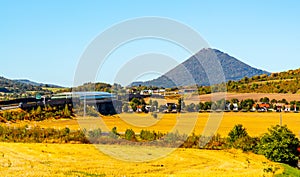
pixel 37 114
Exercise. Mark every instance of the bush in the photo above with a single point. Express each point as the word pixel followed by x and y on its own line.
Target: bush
pixel 237 132
pixel 114 133
pixel 280 145
pixel 215 142
pixel 37 134
pixel 246 144
pixel 130 135
pixel 192 141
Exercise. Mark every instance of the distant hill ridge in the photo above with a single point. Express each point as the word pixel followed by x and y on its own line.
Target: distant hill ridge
pixel 21 86
pixel 233 69
pixel 26 81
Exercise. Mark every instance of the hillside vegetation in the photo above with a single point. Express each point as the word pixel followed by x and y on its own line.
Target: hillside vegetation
pixel 11 89
pixel 283 82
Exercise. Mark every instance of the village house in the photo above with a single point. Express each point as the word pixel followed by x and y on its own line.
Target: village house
pixel 146 92
pixel 261 107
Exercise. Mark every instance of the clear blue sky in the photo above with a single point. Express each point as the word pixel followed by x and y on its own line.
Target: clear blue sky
pixel 43 40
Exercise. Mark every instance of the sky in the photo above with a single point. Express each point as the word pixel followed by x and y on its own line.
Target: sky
pixel 44 40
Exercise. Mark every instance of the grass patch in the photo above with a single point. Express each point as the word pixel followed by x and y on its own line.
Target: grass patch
pixel 289 171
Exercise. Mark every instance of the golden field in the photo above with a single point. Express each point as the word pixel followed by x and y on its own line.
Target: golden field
pixel 21 159
pixel 255 123
pixel 39 160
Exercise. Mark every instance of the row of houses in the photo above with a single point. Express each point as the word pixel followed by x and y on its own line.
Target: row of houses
pixel 147 92
pixel 162 92
pixel 264 107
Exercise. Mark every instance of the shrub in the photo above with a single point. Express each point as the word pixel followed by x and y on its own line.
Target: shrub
pixel 147 135
pixel 175 139
pixel 114 133
pixel 215 142
pixel 280 145
pixel 246 144
pixel 130 135
pixel 237 132
pixel 192 141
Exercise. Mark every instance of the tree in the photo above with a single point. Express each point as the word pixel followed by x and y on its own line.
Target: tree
pixel 214 106
pixel 114 133
pixel 222 105
pixel 125 107
pixel 207 105
pixel 292 107
pixel 134 107
pixel 162 108
pixel 280 145
pixel 257 107
pixel 143 108
pixel 200 106
pixel 237 132
pixel 150 102
pixel 135 102
pixel 170 108
pixel 155 103
pixel 191 107
pixel 234 100
pixel 67 112
pixel 273 101
pixel 231 107
pixel 38 113
pixel 179 105
pixel 265 100
pixel 130 135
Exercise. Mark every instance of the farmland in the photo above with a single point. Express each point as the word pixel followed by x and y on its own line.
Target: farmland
pixel 40 159
pixel 86 160
pixel 255 123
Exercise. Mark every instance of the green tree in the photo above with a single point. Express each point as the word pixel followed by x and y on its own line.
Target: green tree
pixel 234 100
pixel 170 108
pixel 237 132
pixel 114 133
pixel 125 107
pixel 265 100
pixel 231 107
pixel 155 103
pixel 179 105
pixel 130 135
pixel 66 112
pixel 280 145
pixel 214 106
pixel 257 107
pixel 143 108
pixel 150 102
pixel 38 113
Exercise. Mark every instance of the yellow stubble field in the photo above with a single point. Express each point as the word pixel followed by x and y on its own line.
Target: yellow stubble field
pixel 22 159
pixel 255 123
pixel 76 160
